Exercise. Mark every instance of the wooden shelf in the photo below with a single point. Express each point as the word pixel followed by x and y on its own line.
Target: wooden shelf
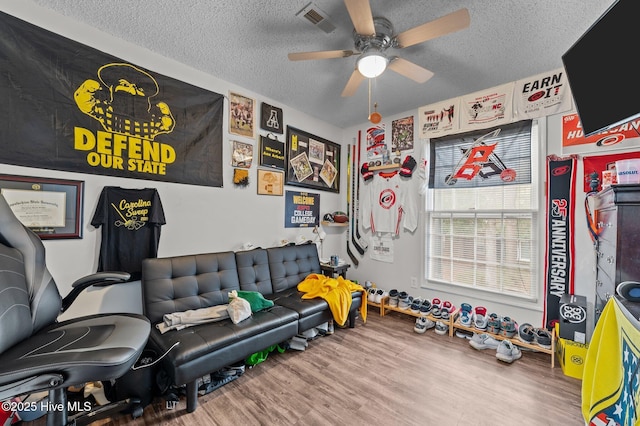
pixel 340 225
pixel 384 167
pixel 384 308
pixel 455 324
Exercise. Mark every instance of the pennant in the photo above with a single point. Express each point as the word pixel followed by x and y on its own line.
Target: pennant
pixel 487 108
pixel 439 119
pixel 542 95
pixel 559 241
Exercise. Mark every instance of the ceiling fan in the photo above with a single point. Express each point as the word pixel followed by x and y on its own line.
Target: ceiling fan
pixel 374 35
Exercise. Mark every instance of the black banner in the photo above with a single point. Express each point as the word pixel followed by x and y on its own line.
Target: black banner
pixel 271 152
pixel 559 253
pixel 70 107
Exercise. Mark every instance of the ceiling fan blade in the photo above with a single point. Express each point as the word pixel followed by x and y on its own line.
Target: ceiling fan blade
pixel 361 16
pixel 324 54
pixel 353 84
pixel 410 70
pixel 450 23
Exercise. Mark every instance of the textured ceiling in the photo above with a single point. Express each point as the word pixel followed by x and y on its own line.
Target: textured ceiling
pixel 245 42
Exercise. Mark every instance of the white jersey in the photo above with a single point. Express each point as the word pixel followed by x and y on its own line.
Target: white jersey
pixel 388 203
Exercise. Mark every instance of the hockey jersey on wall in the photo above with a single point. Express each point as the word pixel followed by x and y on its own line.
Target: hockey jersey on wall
pixel 131 221
pixel 388 204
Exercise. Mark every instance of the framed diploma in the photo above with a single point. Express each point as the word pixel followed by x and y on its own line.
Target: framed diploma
pixel 52 208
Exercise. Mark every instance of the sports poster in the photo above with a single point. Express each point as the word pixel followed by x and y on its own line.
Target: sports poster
pixel 402 134
pixel 487 108
pixel 67 106
pixel 376 144
pixel 302 209
pixel 625 136
pixel 439 119
pixel 542 95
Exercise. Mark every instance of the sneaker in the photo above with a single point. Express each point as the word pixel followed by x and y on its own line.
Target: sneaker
pixel 429 324
pixel 543 338
pixel 447 306
pixel 393 298
pixel 493 323
pixel 465 307
pixel 371 295
pixel 421 325
pixel 508 352
pixel 480 322
pixel 415 306
pixel 435 312
pixel 425 308
pixel 483 341
pixel 464 334
pixel 525 333
pixel 508 327
pixel 404 300
pixel 330 328
pixel 380 294
pixel 436 303
pixel 444 315
pixel 441 328
pixel 466 318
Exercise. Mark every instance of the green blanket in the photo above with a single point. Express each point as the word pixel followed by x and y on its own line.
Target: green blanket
pixel 256 300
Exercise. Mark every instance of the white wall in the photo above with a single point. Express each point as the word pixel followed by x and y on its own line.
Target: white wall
pixel 199 219
pixel 202 219
pixel 408 248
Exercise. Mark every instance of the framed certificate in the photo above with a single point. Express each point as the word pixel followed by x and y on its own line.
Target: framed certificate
pixel 52 208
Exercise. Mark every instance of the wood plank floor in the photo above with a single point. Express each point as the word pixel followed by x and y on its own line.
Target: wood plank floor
pixel 382 372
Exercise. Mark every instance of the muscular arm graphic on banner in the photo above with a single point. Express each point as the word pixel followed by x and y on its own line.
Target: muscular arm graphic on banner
pixel 121 102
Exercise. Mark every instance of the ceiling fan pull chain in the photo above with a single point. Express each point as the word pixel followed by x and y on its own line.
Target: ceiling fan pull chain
pixel 369 103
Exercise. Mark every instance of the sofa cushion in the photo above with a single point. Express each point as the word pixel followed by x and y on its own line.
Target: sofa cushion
pixel 253 271
pixel 202 343
pixel 292 299
pixel 291 264
pixel 181 283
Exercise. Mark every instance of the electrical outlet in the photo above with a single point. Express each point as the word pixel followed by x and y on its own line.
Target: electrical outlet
pixel 414 282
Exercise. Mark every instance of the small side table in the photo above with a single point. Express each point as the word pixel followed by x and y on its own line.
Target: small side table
pixel 332 271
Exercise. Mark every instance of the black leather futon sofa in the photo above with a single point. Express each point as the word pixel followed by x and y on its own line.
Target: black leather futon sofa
pixel 189 282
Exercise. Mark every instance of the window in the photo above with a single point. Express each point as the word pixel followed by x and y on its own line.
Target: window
pixel 482 211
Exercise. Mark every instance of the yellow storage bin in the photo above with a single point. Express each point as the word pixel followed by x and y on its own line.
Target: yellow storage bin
pixel 571 356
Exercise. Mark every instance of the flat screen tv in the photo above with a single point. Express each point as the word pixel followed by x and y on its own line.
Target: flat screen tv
pixel 601 69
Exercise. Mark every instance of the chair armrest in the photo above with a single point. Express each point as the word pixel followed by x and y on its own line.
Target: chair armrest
pixel 99 279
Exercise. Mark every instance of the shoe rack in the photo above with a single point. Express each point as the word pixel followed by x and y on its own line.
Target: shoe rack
pixel 385 308
pixel 455 324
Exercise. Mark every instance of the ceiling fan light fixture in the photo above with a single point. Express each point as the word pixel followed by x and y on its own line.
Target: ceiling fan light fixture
pixel 372 63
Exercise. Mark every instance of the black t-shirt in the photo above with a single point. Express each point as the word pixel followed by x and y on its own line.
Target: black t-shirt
pixel 131 221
